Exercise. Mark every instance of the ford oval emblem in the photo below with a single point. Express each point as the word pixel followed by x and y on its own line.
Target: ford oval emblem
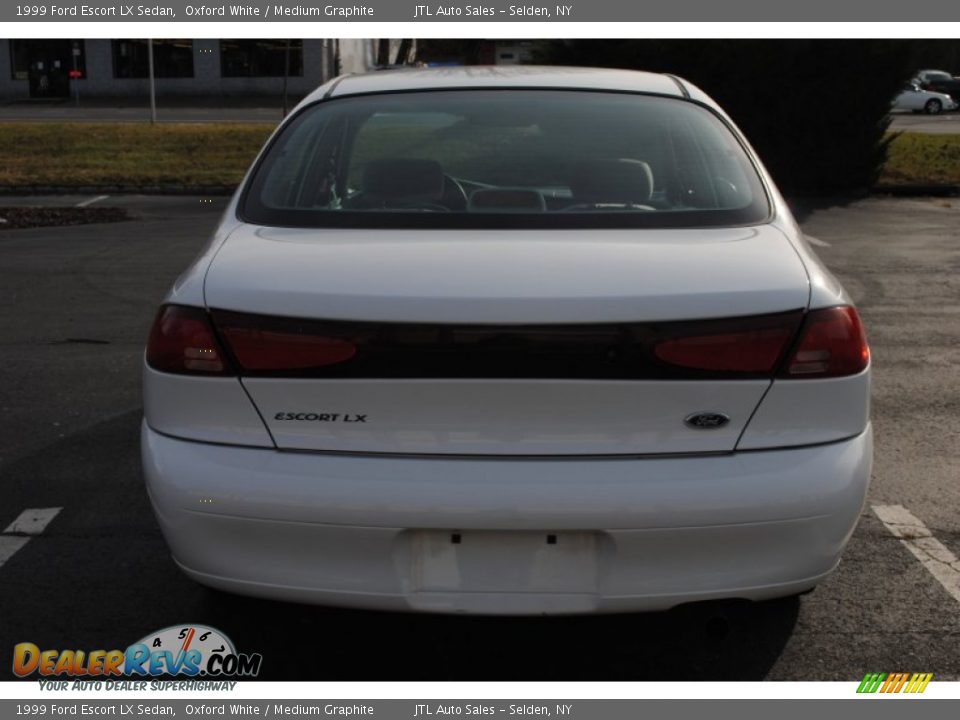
pixel 706 420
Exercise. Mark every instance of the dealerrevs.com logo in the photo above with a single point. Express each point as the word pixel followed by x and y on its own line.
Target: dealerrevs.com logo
pixel 186 650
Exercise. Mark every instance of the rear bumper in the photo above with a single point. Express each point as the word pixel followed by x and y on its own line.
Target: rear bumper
pixel 376 532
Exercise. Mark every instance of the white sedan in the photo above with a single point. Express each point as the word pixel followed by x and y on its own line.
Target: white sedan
pixel 507 341
pixel 914 98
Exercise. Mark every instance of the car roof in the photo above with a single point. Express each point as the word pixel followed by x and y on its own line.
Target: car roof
pixel 500 76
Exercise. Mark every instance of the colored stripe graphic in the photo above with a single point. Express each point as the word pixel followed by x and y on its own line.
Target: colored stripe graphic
pixel 871 683
pixel 918 683
pixel 894 682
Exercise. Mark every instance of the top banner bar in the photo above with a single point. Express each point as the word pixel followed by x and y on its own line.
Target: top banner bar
pixel 567 11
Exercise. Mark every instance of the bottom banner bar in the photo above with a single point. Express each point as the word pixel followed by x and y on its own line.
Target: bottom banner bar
pixel 441 710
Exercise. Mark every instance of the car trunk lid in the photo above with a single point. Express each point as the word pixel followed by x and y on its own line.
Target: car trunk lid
pixel 474 343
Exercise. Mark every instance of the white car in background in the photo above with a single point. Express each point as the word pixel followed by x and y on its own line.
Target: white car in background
pixel 914 98
pixel 925 76
pixel 507 341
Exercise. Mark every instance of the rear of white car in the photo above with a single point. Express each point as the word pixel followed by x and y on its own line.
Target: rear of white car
pixel 913 97
pixel 542 341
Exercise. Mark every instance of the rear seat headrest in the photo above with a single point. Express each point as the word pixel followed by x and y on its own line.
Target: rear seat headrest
pixel 411 179
pixel 618 180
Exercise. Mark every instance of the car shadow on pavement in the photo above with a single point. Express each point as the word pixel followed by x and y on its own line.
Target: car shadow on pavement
pixel 704 641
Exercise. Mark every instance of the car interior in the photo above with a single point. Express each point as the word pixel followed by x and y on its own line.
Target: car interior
pixel 466 158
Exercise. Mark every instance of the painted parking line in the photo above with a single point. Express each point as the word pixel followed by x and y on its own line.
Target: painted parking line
pixel 932 554
pixel 9 546
pixel 32 521
pixel 29 523
pixel 91 201
pixel 816 241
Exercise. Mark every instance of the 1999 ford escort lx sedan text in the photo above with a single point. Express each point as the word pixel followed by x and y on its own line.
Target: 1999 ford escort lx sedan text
pixel 525 340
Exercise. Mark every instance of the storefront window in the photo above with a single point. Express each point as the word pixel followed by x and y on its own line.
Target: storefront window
pixel 260 58
pixel 171 59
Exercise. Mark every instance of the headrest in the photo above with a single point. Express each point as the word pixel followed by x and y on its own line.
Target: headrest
pixel 612 180
pixel 411 179
pixel 506 200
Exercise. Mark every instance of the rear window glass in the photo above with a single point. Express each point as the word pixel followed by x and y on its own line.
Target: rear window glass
pixel 505 158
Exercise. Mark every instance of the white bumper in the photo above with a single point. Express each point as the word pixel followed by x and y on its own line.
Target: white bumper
pixel 506 536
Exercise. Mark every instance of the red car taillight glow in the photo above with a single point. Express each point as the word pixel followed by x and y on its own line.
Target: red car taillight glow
pixel 821 343
pixel 832 344
pixel 754 351
pixel 271 350
pixel 182 341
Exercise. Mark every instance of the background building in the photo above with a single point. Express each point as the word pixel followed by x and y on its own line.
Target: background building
pixel 48 69
pixel 507 52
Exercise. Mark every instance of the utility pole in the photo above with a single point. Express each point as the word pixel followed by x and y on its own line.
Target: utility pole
pixel 286 76
pixel 325 73
pixel 75 73
pixel 153 88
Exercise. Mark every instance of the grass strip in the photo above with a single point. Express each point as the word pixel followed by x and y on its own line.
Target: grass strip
pixel 130 154
pixel 218 154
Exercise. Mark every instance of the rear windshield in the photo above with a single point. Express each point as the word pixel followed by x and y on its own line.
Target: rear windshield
pixel 505 158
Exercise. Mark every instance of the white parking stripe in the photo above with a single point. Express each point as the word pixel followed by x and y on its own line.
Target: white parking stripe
pixel 934 556
pixel 816 241
pixel 91 201
pixel 32 521
pixel 9 545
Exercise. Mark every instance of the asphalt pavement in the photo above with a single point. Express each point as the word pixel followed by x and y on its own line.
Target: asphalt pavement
pixel 77 305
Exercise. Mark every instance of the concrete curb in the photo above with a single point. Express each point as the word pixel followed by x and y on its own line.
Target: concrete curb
pixel 916 190
pixel 218 190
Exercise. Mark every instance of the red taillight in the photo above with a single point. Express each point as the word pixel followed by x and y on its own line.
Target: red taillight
pixel 745 352
pixel 182 342
pixel 271 350
pixel 821 343
pixel 738 346
pixel 832 343
pixel 265 345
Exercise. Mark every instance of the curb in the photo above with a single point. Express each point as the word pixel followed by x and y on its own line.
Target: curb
pixel 218 190
pixel 916 190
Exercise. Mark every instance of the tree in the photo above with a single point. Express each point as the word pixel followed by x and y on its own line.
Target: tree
pixel 817 111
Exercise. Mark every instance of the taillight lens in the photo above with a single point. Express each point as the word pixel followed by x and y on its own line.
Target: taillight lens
pixel 183 342
pixel 279 351
pixel 743 352
pixel 738 347
pixel 264 345
pixel 821 343
pixel 832 344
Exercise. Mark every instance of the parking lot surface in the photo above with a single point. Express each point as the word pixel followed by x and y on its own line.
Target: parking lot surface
pixel 78 302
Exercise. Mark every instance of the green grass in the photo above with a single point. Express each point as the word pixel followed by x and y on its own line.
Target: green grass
pixel 916 159
pixel 199 154
pixel 76 154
